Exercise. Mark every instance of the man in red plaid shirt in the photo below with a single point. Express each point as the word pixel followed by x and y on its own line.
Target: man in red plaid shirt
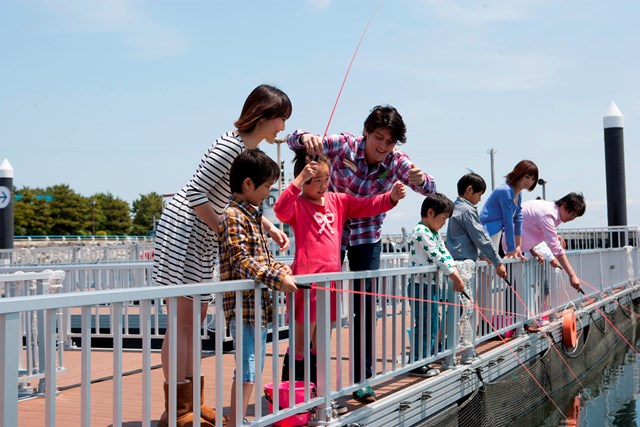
pixel 365 166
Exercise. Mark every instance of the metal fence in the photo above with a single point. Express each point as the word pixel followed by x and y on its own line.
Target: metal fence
pixel 31 359
pixel 122 291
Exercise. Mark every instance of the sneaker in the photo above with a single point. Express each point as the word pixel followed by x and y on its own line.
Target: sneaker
pixel 424 371
pixel 338 408
pixel 364 395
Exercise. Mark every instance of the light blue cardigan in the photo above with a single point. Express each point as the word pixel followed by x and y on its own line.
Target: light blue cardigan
pixel 501 213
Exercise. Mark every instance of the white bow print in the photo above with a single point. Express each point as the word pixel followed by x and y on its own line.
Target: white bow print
pixel 325 221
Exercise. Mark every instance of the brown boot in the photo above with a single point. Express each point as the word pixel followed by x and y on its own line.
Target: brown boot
pixel 206 411
pixel 184 414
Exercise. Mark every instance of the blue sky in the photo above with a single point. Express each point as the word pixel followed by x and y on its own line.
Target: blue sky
pixel 125 96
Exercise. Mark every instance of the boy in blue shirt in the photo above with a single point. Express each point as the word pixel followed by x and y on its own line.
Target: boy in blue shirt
pixel 466 237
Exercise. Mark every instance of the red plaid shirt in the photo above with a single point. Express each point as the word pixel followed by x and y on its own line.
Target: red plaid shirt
pixel 244 254
pixel 351 174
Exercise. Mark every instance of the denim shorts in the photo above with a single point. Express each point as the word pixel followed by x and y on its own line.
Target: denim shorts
pixel 249 349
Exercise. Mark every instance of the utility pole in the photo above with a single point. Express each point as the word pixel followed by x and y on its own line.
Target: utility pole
pixel 491 152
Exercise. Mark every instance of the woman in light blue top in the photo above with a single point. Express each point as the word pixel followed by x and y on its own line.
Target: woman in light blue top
pixel 502 212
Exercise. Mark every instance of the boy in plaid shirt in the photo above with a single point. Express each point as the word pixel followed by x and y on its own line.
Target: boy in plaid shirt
pixel 245 255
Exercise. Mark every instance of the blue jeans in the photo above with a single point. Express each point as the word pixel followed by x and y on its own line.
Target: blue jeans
pixel 249 349
pixel 429 333
pixel 363 257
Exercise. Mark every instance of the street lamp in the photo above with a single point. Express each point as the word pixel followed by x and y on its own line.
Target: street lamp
pixel 544 189
pixel 491 153
pixel 278 142
pixel 93 217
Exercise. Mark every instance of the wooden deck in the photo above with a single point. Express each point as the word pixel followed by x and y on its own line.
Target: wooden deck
pixel 31 411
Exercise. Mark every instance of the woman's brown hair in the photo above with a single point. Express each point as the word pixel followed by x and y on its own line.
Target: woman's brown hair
pixel 264 102
pixel 524 167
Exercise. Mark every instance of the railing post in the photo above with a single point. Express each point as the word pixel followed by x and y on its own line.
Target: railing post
pixel 50 343
pixel 116 330
pixel 323 339
pixel 9 354
pixel 452 319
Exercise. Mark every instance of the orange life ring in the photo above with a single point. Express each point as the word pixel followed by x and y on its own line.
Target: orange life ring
pixel 573 411
pixel 569 337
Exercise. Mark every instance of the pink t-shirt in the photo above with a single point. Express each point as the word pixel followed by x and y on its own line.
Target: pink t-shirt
pixel 540 218
pixel 318 230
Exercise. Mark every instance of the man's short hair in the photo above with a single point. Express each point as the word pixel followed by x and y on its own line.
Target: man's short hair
pixel 573 203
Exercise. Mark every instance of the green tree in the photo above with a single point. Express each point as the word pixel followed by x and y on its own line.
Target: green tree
pixel 32 215
pixel 71 212
pixel 112 214
pixel 145 209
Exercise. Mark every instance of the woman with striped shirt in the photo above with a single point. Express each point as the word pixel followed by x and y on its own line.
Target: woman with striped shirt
pixel 186 244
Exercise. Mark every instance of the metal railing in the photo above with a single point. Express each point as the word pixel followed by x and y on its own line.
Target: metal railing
pixel 31 363
pixel 498 309
pixel 76 254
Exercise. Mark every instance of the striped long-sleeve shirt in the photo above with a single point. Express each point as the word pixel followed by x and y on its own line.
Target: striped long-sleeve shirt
pixel 185 247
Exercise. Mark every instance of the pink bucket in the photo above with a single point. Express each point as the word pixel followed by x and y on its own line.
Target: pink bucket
pixel 294 420
pixel 502 321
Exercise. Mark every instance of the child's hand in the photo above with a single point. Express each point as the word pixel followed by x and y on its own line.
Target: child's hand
pixel 397 192
pixel 280 238
pixel 501 271
pixel 288 284
pixel 458 283
pixel 309 171
pixel 416 177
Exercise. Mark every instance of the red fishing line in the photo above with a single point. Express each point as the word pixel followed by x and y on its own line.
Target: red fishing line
pixel 551 342
pixel 593 302
pixel 348 70
pixel 616 301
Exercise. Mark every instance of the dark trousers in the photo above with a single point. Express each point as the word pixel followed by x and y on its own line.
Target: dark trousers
pixel 363 257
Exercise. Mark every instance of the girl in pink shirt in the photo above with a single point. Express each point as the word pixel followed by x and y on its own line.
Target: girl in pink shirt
pixel 317 218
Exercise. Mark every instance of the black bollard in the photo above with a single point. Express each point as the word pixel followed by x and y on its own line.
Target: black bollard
pixel 615 172
pixel 6 205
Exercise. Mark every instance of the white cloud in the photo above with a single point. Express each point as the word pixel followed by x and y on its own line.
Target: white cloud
pixel 319 4
pixel 145 38
pixel 474 12
pixel 95 16
pixel 157 42
pixel 495 72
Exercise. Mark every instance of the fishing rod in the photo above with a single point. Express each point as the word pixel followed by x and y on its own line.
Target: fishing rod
pixel 375 12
